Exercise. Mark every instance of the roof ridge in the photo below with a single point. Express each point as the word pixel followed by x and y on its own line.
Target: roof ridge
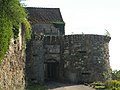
pixel 42 8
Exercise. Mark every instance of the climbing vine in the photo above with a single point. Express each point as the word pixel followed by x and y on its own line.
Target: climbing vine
pixel 12 14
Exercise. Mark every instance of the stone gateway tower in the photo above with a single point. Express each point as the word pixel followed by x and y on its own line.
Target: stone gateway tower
pixel 52 55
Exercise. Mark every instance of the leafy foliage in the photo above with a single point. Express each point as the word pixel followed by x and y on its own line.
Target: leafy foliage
pixel 97 85
pixel 12 14
pixel 112 85
pixel 108 85
pixel 116 75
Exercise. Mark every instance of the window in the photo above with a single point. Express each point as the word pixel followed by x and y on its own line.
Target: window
pixel 85 73
pixel 82 51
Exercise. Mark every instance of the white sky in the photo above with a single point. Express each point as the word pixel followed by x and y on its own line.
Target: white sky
pixel 89 16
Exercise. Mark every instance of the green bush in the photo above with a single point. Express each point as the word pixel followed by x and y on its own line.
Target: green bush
pixel 112 85
pixel 108 84
pixel 97 85
pixel 116 75
pixel 12 14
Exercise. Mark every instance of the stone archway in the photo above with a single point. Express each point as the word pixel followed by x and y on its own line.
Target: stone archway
pixel 51 70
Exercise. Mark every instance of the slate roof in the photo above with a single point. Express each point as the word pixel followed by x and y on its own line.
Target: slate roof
pixel 44 15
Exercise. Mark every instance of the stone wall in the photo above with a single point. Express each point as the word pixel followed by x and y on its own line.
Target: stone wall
pixel 46 29
pixel 40 50
pixel 35 60
pixel 86 58
pixel 77 58
pixel 12 68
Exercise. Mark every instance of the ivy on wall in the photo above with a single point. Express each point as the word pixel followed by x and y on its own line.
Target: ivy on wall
pixel 12 14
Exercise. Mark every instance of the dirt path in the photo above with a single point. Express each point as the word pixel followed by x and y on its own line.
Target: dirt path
pixel 61 86
pixel 75 87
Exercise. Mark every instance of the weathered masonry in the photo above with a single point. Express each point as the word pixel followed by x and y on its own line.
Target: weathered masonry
pixel 52 55
pixel 12 68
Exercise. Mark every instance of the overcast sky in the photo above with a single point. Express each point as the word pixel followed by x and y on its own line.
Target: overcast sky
pixel 89 16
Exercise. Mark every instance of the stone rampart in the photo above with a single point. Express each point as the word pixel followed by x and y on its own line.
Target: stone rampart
pixel 77 58
pixel 12 68
pixel 86 57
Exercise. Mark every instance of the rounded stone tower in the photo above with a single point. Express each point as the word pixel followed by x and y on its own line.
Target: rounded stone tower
pixel 86 58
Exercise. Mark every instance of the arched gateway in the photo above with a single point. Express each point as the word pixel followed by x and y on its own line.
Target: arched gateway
pixel 51 70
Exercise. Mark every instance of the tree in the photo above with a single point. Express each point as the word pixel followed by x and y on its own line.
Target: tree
pixel 116 74
pixel 12 14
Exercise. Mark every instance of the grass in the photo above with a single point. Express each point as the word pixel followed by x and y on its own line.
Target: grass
pixel 108 85
pixel 98 85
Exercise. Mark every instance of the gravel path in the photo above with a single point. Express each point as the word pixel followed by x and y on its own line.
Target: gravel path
pixel 75 87
pixel 63 86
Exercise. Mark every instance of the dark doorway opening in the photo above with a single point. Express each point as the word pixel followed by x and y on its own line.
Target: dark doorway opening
pixel 51 71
